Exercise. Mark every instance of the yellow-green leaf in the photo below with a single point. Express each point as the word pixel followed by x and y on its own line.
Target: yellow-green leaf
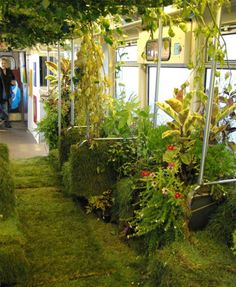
pixel 232 145
pixel 173 125
pixel 183 115
pixel 186 158
pixel 175 104
pixel 225 112
pixel 170 133
pixel 215 130
pixel 188 125
pixel 167 109
pixel 52 67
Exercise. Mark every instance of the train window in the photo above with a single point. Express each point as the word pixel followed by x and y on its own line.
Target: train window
pixel 230 41
pixel 127 54
pixel 128 73
pixel 170 78
pixel 227 77
pixel 127 82
pixel 43 69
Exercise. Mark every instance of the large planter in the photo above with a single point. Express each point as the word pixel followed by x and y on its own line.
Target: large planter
pixel 202 205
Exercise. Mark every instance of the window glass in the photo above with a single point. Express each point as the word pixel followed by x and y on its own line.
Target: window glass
pixel 227 76
pixel 230 41
pixel 127 54
pixel 43 69
pixel 170 78
pixel 127 82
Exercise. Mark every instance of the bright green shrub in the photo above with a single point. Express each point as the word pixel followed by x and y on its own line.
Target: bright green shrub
pixel 88 173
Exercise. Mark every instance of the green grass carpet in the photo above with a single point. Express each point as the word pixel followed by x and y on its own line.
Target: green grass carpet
pixel 66 247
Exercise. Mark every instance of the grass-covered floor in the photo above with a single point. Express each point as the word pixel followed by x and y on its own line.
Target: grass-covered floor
pixel 66 247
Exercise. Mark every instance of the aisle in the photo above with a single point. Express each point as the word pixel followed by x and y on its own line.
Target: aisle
pixel 66 247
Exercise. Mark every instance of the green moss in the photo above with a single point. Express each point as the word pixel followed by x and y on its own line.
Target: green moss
pixel 34 172
pixel 89 171
pixel 122 205
pixel 7 195
pixel 66 172
pixel 201 262
pixel 66 247
pixel 68 138
pixel 222 222
pixel 13 263
pixel 4 153
pixel 53 158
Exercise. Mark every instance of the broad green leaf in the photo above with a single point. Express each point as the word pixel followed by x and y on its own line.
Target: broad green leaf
pixel 186 158
pixel 45 3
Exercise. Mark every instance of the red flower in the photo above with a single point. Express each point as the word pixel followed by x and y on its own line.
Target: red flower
pixel 170 147
pixel 171 165
pixel 178 195
pixel 144 173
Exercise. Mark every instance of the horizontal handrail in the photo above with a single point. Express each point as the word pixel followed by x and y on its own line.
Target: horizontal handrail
pixel 220 181
pixel 108 139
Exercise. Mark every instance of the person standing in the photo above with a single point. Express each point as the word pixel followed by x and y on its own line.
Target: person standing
pixel 7 80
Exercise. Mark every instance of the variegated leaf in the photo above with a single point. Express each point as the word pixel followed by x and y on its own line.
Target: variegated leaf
pixel 167 109
pixel 170 133
pixel 215 130
pixel 183 115
pixel 188 124
pixel 175 104
pixel 225 112
pixel 52 67
pixel 174 125
pixel 187 100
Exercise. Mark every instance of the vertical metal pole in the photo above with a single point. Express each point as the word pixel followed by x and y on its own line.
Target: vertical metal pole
pixel 72 105
pixel 209 104
pixel 59 89
pixel 48 59
pixel 157 86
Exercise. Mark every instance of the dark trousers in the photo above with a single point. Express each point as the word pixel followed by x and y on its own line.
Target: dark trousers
pixel 4 111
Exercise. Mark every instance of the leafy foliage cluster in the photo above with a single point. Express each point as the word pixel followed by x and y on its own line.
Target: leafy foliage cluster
pixel 91 99
pixel 49 124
